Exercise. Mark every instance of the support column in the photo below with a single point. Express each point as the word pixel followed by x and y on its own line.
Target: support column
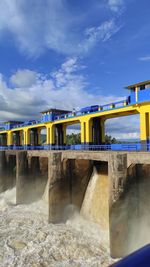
pixel 59 135
pixel 3 167
pixel 98 132
pixel 86 132
pixel 39 136
pixel 93 131
pixel 9 139
pixel 50 135
pixel 83 132
pixel 64 134
pixel 26 138
pixel 10 173
pixel 102 131
pixel 58 189
pixel 21 177
pixel 47 135
pixel 118 218
pixel 21 137
pixel 145 129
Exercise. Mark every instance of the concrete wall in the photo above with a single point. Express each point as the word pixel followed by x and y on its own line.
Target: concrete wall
pixel 129 211
pixel 30 179
pixel 7 171
pixel 68 180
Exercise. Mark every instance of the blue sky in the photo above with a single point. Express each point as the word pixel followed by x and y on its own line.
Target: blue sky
pixel 71 53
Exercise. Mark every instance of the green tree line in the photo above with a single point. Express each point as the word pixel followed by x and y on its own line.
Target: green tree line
pixel 74 139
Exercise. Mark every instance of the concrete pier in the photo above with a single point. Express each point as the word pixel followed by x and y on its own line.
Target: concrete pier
pixel 106 187
pixel 58 188
pixel 30 183
pixel 2 171
pixel 7 171
pixel 21 177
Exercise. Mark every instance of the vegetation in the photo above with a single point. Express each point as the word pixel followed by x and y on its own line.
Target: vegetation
pixel 74 139
pixel 110 140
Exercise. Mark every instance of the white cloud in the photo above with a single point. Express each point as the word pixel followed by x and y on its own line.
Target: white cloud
pixel 64 88
pixel 115 5
pixel 23 78
pixel 103 33
pixel 36 27
pixel 146 58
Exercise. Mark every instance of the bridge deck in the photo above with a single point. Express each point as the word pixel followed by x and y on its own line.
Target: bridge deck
pixel 132 157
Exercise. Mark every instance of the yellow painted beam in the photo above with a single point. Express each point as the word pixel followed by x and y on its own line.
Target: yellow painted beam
pixel 86 130
pixel 47 135
pixel 50 134
pixel 27 136
pixel 9 138
pixel 64 134
pixel 86 124
pixel 83 134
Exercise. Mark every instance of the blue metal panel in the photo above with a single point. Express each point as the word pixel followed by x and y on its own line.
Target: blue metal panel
pixel 116 147
pixel 45 117
pixel 126 147
pixel 51 117
pixel 144 95
pixel 132 97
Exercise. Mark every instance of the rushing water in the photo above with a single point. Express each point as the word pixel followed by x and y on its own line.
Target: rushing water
pixel 26 239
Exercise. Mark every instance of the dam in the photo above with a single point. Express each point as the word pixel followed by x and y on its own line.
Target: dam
pixel 108 183
pixel 65 177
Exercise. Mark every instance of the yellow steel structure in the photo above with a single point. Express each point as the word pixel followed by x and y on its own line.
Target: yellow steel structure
pixel 86 122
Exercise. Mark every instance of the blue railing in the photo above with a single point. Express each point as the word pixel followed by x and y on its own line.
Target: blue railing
pixel 100 108
pixel 111 147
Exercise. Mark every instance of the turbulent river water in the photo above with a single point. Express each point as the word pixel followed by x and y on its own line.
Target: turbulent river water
pixel 27 240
